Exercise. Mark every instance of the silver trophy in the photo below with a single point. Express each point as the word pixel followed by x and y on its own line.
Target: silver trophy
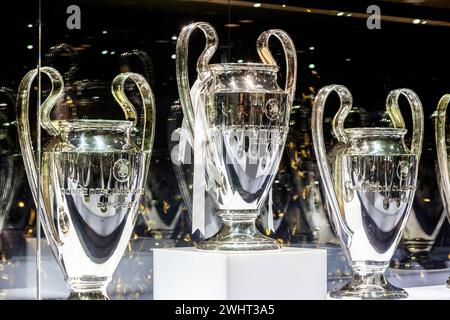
pixel 91 178
pixel 369 180
pixel 238 118
pixel 442 138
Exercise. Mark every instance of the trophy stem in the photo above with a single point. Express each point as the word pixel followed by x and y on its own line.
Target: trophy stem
pixel 369 282
pixel 92 288
pixel 239 233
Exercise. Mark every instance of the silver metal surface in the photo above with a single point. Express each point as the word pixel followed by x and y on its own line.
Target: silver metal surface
pixel 370 188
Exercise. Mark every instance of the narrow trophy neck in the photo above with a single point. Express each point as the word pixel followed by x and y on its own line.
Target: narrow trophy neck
pixel 241 77
pixel 232 216
pixel 376 141
pixel 368 268
pixel 92 135
pixel 239 221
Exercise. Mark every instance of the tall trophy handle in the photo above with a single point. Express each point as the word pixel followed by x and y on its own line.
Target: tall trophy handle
pixel 145 124
pixel 319 146
pixel 441 145
pixel 23 128
pixel 202 63
pixel 394 113
pixel 290 53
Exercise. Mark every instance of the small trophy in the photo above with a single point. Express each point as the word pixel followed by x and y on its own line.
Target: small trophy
pixel 91 179
pixel 237 119
pixel 369 179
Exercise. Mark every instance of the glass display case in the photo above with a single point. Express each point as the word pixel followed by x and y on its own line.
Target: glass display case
pixel 90 112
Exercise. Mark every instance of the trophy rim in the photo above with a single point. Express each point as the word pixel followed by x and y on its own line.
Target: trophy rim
pixel 101 124
pixel 233 66
pixel 375 131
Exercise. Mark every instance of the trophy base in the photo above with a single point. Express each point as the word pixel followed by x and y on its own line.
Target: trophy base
pixel 418 261
pixel 88 288
pixel 369 287
pixel 239 233
pixel 90 295
pixel 237 243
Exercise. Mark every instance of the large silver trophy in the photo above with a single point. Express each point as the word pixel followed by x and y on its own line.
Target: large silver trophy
pixel 91 178
pixel 442 138
pixel 237 118
pixel 370 188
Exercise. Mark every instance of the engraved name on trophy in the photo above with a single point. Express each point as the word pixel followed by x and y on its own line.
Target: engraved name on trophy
pixel 91 178
pixel 370 188
pixel 238 118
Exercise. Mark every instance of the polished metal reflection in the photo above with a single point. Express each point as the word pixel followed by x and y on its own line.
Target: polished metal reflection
pixel 426 218
pixel 370 188
pixel 442 138
pixel 246 124
pixel 311 222
pixel 92 177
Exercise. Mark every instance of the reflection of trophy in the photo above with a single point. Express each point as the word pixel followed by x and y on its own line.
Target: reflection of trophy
pixel 92 175
pixel 11 164
pixel 427 212
pixel 442 154
pixel 426 218
pixel 370 189
pixel 309 194
pixel 238 117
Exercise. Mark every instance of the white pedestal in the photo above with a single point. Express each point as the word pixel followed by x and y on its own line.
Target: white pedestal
pixel 429 293
pixel 190 274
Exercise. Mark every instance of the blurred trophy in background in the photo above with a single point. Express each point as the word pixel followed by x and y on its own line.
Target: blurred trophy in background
pixel 91 179
pixel 369 188
pixel 442 140
pixel 427 213
pixel 311 223
pixel 238 118
pixel 162 205
pixel 11 164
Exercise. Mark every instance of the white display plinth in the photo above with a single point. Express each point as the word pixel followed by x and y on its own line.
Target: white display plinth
pixel 190 274
pixel 429 293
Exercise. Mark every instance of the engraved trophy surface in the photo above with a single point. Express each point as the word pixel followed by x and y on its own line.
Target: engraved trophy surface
pixel 238 118
pixel 443 155
pixel 91 178
pixel 369 181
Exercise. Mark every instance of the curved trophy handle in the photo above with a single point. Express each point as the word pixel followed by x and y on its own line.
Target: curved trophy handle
pixel 394 113
pixel 441 146
pixel 202 63
pixel 145 125
pixel 319 145
pixel 141 56
pixel 262 46
pixel 26 145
